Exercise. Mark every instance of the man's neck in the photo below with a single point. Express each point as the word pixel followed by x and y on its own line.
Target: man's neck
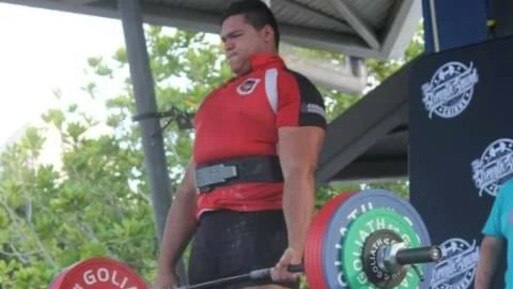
pixel 245 69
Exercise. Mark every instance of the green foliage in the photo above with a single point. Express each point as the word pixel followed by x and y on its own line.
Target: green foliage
pixel 50 218
pixel 94 200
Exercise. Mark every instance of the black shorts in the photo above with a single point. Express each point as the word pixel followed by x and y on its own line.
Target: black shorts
pixel 229 243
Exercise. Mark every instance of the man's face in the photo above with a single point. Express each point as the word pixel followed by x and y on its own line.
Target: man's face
pixel 241 41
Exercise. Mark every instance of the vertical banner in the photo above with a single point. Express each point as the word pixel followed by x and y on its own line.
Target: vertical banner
pixel 460 149
pixel 454 23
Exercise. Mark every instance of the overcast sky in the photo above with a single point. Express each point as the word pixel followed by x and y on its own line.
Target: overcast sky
pixel 42 50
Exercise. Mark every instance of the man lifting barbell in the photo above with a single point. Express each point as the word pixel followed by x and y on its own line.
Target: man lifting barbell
pixel 248 193
pixel 256 147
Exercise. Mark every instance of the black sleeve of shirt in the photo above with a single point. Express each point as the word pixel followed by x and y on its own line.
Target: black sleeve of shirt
pixel 312 110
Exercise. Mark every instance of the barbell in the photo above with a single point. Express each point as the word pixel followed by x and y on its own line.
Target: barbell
pixel 368 239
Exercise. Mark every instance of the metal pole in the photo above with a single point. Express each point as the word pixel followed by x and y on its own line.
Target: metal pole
pixel 434 24
pixel 267 2
pixel 144 91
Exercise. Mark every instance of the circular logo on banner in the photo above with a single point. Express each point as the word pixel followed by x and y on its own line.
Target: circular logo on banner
pixel 450 90
pixel 494 167
pixel 457 269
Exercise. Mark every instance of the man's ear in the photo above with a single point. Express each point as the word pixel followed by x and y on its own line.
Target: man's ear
pixel 268 33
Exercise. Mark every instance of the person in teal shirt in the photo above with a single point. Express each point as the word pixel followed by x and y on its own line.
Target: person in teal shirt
pixel 498 232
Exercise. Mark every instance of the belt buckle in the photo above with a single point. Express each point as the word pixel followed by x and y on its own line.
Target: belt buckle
pixel 213 175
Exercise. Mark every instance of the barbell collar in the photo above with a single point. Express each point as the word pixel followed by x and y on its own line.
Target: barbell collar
pixel 428 254
pixel 392 258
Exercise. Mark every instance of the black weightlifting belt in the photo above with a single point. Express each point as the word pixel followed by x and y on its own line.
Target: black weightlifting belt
pixel 254 169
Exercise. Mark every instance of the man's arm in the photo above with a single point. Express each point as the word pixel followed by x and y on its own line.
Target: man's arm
pixel 180 226
pixel 298 149
pixel 491 248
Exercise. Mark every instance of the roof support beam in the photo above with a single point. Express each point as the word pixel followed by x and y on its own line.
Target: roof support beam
pixel 341 43
pixel 325 73
pixel 364 30
pixel 352 133
pixel 401 29
pixel 363 170
pixel 79 2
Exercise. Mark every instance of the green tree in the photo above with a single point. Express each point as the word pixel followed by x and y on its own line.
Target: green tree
pixel 97 201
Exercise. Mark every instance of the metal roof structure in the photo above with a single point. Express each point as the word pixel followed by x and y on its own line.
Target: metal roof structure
pixel 369 141
pixel 360 28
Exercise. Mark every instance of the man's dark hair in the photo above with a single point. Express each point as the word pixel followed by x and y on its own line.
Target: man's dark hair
pixel 257 14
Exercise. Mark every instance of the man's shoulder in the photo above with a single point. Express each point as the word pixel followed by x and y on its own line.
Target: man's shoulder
pixel 303 82
pixel 506 190
pixel 294 74
pixel 508 186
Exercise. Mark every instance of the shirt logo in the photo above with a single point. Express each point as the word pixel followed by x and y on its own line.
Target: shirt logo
pixel 450 90
pixel 313 108
pixel 248 86
pixel 494 167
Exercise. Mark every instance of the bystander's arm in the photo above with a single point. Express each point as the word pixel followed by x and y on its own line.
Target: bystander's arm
pixel 491 248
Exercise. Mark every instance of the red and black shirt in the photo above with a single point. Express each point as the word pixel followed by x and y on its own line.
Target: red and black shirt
pixel 242 118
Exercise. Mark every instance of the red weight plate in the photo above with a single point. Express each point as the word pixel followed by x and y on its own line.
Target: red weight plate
pixel 314 262
pixel 57 281
pixel 100 273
